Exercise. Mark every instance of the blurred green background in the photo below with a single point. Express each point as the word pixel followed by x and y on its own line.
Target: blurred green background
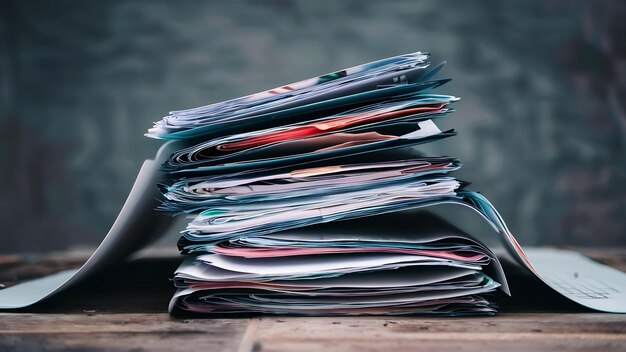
pixel 542 119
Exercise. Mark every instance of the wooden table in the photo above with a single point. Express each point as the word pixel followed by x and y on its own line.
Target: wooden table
pixel 125 309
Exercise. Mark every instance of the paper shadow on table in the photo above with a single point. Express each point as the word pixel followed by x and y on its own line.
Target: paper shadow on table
pixel 529 294
pixel 141 285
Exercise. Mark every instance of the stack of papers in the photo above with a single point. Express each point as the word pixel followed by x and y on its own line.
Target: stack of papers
pixel 304 200
pixel 365 267
pixel 261 174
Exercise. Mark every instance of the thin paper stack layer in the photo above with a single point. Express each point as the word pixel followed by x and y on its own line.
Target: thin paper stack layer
pixel 268 177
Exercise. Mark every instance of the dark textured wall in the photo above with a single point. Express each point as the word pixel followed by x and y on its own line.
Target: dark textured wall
pixel 542 119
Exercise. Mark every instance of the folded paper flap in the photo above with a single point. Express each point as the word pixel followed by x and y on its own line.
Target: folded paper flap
pixel 135 227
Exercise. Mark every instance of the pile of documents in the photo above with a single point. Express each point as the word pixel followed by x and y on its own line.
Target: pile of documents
pixel 286 188
pixel 311 199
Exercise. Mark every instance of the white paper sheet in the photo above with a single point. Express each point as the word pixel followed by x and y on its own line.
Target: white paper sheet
pixel 582 280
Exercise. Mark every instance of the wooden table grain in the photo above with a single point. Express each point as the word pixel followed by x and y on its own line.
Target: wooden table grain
pixel 125 310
